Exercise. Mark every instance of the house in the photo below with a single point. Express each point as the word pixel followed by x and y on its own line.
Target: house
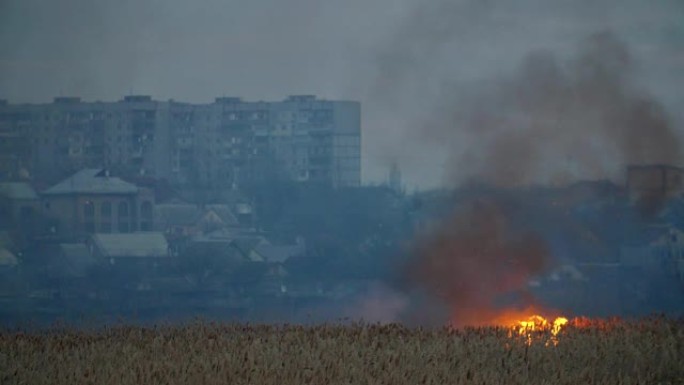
pixel 659 247
pixel 658 258
pixel 179 220
pixel 75 260
pixel 650 187
pixel 7 260
pixel 217 216
pixel 141 248
pixel 657 180
pixel 279 254
pixel 68 269
pixel 19 206
pixel 92 201
pixel 247 247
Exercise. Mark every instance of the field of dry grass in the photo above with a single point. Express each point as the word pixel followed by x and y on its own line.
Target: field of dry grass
pixel 645 352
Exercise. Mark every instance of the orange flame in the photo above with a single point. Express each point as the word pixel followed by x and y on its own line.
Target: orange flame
pixel 537 323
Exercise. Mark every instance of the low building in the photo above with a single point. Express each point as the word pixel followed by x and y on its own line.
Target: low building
pixel 92 201
pixel 650 186
pixel 179 220
pixel 19 204
pixel 7 260
pixel 20 212
pixel 138 246
pixel 660 247
pixel 126 261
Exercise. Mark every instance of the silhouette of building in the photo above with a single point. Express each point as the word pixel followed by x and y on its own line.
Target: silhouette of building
pixel 229 142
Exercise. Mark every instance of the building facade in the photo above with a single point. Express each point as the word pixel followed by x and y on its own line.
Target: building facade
pixel 91 201
pixel 228 143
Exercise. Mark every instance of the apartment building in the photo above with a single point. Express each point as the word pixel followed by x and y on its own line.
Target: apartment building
pixel 226 143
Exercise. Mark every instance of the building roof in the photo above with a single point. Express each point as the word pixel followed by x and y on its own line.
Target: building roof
pixel 6 240
pixel 92 181
pixel 224 213
pixel 132 245
pixel 217 250
pixel 246 245
pixel 277 253
pixel 177 214
pixel 7 259
pixel 18 191
pixel 76 259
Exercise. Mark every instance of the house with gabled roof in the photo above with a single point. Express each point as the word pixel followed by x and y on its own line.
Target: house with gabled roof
pixel 19 205
pixel 93 201
pixel 187 220
pixel 145 245
pixel 20 212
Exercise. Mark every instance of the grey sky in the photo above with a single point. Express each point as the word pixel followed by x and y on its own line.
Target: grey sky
pixel 267 49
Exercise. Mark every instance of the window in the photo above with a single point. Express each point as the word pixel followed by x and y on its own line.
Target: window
pixel 106 210
pixel 123 227
pixel 123 209
pixel 146 210
pixel 89 209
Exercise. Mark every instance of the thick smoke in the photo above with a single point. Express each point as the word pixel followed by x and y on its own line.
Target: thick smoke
pixel 551 120
pixel 558 121
pixel 511 105
pixel 477 258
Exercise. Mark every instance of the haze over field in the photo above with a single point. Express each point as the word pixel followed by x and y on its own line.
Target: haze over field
pixel 413 65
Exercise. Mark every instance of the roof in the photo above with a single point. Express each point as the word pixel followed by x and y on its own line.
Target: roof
pixel 177 214
pixel 218 250
pixel 76 259
pixel 230 234
pixel 92 181
pixel 6 240
pixel 18 191
pixel 247 244
pixel 7 259
pixel 649 235
pixel 132 245
pixel 273 253
pixel 224 213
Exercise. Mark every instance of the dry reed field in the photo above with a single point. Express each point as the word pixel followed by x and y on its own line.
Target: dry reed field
pixel 587 352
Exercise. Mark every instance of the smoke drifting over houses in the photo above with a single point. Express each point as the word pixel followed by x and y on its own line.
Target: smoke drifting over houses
pixel 524 113
pixel 548 116
pixel 475 258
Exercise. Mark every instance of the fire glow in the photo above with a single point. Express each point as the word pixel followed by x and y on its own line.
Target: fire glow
pixel 534 325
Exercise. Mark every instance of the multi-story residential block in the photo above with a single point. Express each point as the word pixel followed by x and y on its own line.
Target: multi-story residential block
pixel 227 143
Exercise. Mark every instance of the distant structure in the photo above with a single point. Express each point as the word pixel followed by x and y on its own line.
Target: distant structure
pixel 654 182
pixel 227 143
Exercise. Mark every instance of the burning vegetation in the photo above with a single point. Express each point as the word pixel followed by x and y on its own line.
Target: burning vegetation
pixel 649 351
pixel 474 259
